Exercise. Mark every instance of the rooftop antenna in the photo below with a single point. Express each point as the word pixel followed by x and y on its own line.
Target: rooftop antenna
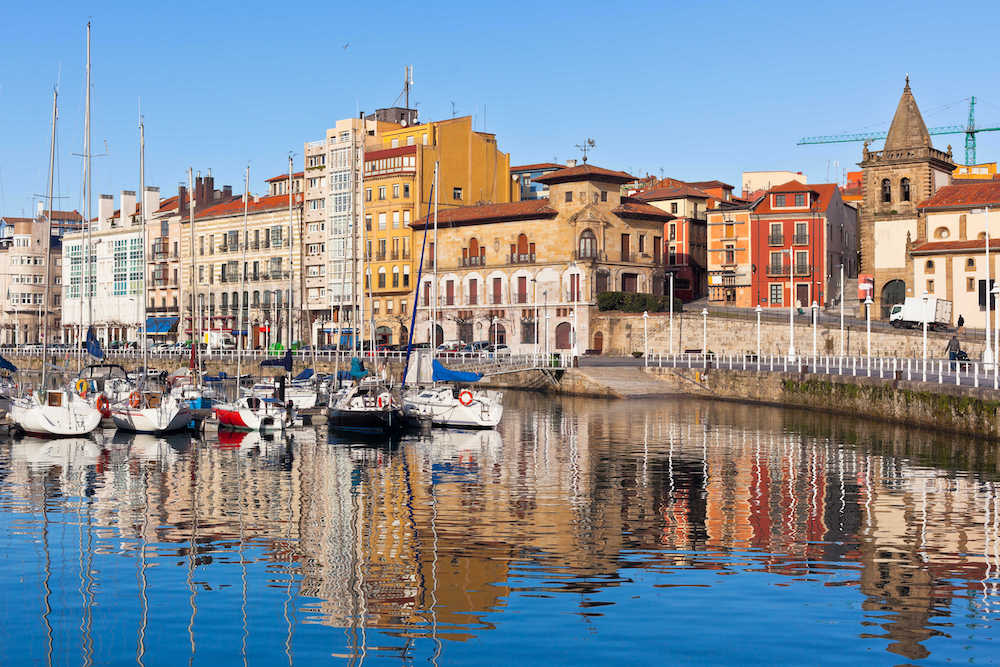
pixel 586 147
pixel 407 82
pixel 453 108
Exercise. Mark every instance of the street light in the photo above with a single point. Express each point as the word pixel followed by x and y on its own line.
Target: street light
pixel 926 297
pixel 704 332
pixel 841 309
pixel 996 334
pixel 987 351
pixel 758 310
pixel 671 313
pixel 791 306
pixel 815 314
pixel 645 338
pixel 868 324
pixel 575 289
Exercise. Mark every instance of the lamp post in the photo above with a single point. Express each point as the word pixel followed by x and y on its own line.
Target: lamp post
pixel 545 345
pixel 988 350
pixel 926 297
pixel 645 338
pixel 841 309
pixel 704 332
pixel 494 335
pixel 791 306
pixel 671 313
pixel 815 314
pixel 534 298
pixel 575 294
pixel 758 310
pixel 996 335
pixel 868 324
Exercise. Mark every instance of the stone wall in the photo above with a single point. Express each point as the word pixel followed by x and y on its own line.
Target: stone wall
pixel 623 335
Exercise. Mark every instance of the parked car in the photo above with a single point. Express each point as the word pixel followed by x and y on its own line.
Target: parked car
pixel 450 349
pixel 499 350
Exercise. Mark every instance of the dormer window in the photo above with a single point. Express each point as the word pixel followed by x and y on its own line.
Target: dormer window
pixel 779 200
pixel 800 199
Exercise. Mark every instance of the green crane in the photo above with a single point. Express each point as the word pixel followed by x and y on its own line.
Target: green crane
pixel 970 130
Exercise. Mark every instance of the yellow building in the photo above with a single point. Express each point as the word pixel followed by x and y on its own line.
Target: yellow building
pixel 398 178
pixel 986 171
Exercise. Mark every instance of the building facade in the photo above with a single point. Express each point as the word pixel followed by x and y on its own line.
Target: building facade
pixel 730 235
pixel 23 274
pixel 527 274
pixel 685 238
pixel 525 176
pixel 906 171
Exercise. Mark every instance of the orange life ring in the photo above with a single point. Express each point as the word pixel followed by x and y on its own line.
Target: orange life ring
pixel 465 398
pixel 135 399
pixel 103 405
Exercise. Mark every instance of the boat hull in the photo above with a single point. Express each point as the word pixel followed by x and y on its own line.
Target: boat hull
pixel 47 421
pixel 151 420
pixel 444 409
pixel 368 422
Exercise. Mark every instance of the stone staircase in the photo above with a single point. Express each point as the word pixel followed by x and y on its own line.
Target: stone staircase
pixel 628 382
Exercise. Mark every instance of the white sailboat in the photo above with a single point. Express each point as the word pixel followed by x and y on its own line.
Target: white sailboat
pixel 56 412
pixel 452 402
pixel 155 412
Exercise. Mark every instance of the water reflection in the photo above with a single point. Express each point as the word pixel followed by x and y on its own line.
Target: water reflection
pixel 578 529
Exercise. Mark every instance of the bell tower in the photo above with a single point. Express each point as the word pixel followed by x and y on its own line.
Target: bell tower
pixel 895 180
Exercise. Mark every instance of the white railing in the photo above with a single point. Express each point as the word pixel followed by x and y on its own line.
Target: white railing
pixel 937 371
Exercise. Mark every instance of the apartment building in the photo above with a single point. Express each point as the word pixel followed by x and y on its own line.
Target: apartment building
pixel 272 244
pixel 22 280
pixel 527 273
pixel 525 176
pixel 685 238
pixel 730 234
pixel 398 179
pixel 108 294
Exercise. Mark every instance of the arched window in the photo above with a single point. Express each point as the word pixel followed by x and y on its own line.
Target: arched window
pixel 929 266
pixel 587 247
pixel 381 277
pixel 886 190
pixel 904 189
pixel 522 252
pixel 941 233
pixel 395 276
pixel 475 254
pixel 236 300
pixel 256 298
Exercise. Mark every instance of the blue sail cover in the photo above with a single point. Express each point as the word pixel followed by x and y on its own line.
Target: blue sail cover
pixel 283 362
pixel 305 374
pixel 442 374
pixel 357 369
pixel 7 366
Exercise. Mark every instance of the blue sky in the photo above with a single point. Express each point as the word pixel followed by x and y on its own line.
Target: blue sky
pixel 697 90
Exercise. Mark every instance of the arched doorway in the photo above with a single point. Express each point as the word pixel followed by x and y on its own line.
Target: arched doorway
pixel 893 292
pixel 564 336
pixel 498 334
pixel 404 335
pixel 438 335
pixel 383 335
pixel 598 342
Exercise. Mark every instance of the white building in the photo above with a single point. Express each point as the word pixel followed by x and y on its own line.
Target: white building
pixel 113 302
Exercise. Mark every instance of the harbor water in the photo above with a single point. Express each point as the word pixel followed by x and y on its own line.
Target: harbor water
pixel 581 531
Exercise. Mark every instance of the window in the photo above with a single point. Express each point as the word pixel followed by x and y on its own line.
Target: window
pixel 800 199
pixel 886 191
pixel 395 190
pixel 587 248
pixel 673 232
pixel 406 190
pixel 730 254
pixel 449 295
pixel 941 233
pixel 930 286
pixel 801 233
pixel 410 140
pixel 929 266
pixel 904 189
pixel 427 293
pixel 642 243
pixel 970 264
pixel 522 289
pixel 425 140
pixel 406 275
pixel 497 292
pixel 381 222
pixel 456 194
pixel 395 143
pixel 395 219
pixel 626 254
pixel 201 245
pixel 776 294
pixel 779 200
pixel 368 194
pixel 569 196
pixel 368 223
pixel 604 195
pixel 673 207
pixel 381 192
pixel 473 292
pixel 970 284
pixel 775 237
pixel 395 276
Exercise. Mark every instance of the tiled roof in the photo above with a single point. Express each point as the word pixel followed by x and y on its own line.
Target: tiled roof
pixel 473 215
pixel 536 166
pixel 671 192
pixel 824 193
pixel 585 172
pixel 965 194
pixel 235 206
pixel 710 184
pixel 931 247
pixel 168 204
pixel 383 153
pixel 67 215
pixel 12 220
pixel 633 208
pixel 284 177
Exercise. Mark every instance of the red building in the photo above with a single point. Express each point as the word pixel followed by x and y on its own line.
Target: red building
pixel 801 235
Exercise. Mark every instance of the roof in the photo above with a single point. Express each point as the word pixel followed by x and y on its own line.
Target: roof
pixel 284 177
pixel 907 129
pixel 585 172
pixel 824 194
pixel 969 245
pixel 631 207
pixel 168 204
pixel 474 215
pixel 67 215
pixel 710 184
pixel 257 205
pixel 537 166
pixel 383 153
pixel 965 194
pixel 671 192
pixel 12 219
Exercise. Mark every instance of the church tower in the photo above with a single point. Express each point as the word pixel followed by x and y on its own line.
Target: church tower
pixel 895 179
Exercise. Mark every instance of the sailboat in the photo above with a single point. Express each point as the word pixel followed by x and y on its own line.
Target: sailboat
pixel 454 403
pixel 155 412
pixel 56 412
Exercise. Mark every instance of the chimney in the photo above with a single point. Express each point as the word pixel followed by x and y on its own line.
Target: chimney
pixel 199 188
pixel 150 200
pixel 40 209
pixel 182 193
pixel 127 207
pixel 209 186
pixel 227 192
pixel 570 163
pixel 105 209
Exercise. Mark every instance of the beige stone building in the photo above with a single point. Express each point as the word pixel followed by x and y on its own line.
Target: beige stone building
pixel 527 273
pixel 906 171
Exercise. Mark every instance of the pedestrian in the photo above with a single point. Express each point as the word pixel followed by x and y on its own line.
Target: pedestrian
pixel 961 322
pixel 953 349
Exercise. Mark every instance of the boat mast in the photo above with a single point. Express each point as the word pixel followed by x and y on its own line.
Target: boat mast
pixel 48 244
pixel 434 260
pixel 291 288
pixel 144 341
pixel 195 340
pixel 364 264
pixel 239 316
pixel 88 273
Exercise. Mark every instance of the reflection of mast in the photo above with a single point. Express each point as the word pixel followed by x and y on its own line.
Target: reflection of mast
pixel 47 597
pixel 140 649
pixel 192 542
pixel 243 562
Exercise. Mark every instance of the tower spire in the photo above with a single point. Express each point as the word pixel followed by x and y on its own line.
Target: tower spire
pixel 908 129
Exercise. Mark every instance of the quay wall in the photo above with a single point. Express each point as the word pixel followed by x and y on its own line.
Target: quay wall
pixel 622 334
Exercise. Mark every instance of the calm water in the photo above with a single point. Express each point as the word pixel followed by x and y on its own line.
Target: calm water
pixel 582 532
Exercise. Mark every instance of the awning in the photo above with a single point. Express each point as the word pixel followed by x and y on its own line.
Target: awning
pixel 234 332
pixel 161 325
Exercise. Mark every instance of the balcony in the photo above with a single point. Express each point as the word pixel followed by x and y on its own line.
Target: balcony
pixel 380 257
pixel 522 258
pixel 522 297
pixel 589 256
pixel 778 269
pixel 800 239
pixel 803 269
pixel 775 239
pixel 476 261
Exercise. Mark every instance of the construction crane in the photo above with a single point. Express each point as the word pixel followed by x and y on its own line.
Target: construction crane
pixel 970 131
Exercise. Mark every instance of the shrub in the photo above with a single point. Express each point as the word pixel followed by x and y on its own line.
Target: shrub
pixel 630 302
